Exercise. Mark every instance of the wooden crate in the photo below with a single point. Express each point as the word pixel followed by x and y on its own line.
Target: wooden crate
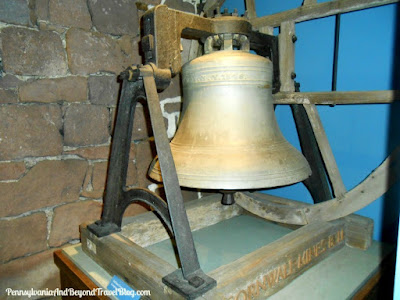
pixel 257 274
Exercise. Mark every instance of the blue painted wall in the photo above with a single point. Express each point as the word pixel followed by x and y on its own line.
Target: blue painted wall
pixel 358 134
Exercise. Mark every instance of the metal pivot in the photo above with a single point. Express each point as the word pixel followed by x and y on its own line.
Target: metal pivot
pixel 190 281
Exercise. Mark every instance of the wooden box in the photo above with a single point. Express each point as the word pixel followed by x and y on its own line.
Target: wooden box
pixel 249 257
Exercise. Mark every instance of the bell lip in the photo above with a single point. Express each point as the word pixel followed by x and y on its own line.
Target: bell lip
pixel 239 183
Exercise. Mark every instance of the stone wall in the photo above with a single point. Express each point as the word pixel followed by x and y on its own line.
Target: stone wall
pixel 58 95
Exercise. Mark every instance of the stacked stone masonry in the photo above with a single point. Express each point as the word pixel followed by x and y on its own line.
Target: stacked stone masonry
pixel 59 62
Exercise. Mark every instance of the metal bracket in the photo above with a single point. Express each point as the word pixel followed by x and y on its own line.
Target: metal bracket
pixel 191 288
pixel 138 83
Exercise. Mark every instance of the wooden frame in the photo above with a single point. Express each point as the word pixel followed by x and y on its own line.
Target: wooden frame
pixel 337 98
pixel 258 274
pixel 124 253
pixel 312 10
pixel 379 181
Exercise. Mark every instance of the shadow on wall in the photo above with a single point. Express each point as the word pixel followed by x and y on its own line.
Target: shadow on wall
pixel 391 209
pixel 391 205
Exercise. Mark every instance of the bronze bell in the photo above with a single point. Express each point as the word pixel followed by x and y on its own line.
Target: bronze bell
pixel 228 137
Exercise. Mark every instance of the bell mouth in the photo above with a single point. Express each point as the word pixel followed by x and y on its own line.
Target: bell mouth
pixel 237 169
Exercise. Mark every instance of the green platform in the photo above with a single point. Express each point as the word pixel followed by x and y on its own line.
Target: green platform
pixel 225 242
pixel 339 276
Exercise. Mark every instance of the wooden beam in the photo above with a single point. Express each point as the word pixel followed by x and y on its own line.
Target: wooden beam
pixel 69 273
pixel 267 30
pixel 338 188
pixel 249 277
pixel 251 9
pixel 315 11
pixel 138 266
pixel 202 213
pixel 211 5
pixel 317 184
pixel 309 2
pixel 332 98
pixel 359 229
pixel 286 56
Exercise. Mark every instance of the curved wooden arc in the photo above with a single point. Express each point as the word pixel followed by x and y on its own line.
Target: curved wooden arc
pixel 297 213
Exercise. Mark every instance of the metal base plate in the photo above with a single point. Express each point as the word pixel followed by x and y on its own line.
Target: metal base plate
pixel 102 229
pixel 192 288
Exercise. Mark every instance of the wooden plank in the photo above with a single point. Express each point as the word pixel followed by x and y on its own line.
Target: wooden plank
pixel 268 269
pixel 73 277
pixel 359 229
pixel 211 5
pixel 273 211
pixel 317 184
pixel 333 98
pixel 309 2
pixel 134 264
pixel 275 199
pixel 338 188
pixel 251 9
pixel 147 229
pixel 286 56
pixel 267 30
pixel 315 11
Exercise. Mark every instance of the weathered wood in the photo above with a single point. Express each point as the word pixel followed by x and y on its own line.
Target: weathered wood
pixel 333 98
pixel 72 276
pixel 359 229
pixel 317 184
pixel 134 264
pixel 374 186
pixel 147 229
pixel 267 30
pixel 338 188
pixel 309 2
pixel 194 49
pixel 251 9
pixel 272 210
pixel 211 5
pixel 268 269
pixel 315 11
pixel 260 273
pixel 286 56
pixel 276 199
pixel 298 213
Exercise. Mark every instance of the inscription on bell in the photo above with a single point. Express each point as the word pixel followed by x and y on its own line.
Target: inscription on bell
pixel 225 76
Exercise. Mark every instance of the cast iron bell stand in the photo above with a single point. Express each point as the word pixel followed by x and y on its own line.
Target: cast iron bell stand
pixel 142 83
